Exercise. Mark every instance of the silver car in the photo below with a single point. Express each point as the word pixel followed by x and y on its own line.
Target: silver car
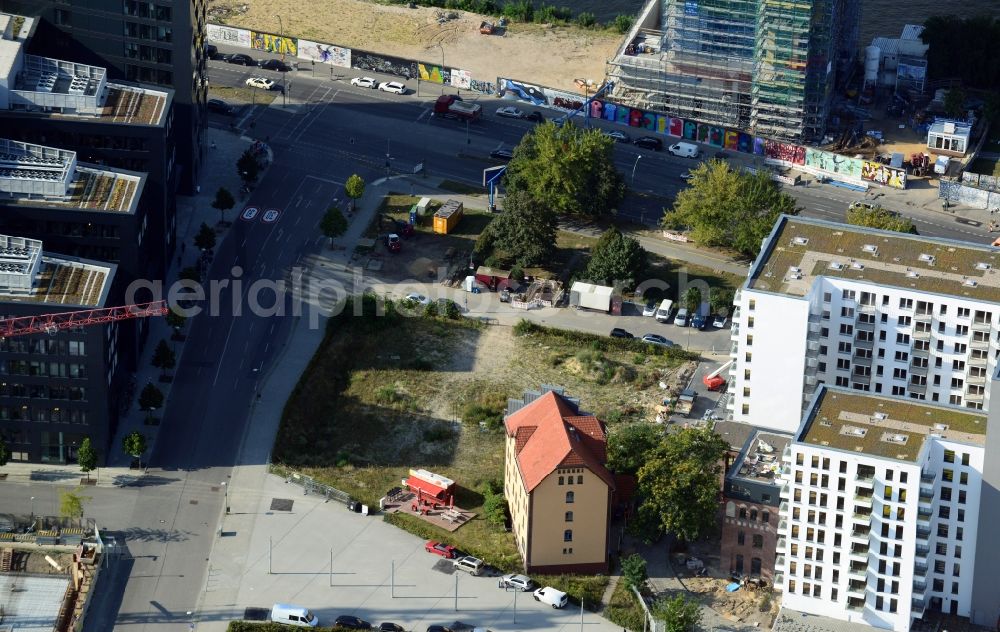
pixel 517 582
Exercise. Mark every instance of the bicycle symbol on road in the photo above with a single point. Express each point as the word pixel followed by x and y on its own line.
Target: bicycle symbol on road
pixel 249 213
pixel 271 215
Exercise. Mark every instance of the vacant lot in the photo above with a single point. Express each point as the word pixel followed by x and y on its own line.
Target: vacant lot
pixel 551 56
pixel 388 393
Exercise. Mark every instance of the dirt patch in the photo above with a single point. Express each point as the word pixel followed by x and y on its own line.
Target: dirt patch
pixel 550 56
pixel 33 562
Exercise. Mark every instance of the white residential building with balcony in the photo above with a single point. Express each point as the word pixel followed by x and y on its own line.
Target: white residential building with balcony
pixel 880 312
pixel 879 510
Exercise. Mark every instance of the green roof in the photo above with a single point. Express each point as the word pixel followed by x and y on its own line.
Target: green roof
pixel 886 427
pixel 803 249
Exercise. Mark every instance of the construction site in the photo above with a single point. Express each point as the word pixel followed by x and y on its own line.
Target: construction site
pixel 743 64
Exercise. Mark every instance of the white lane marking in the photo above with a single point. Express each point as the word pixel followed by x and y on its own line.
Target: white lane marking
pixel 225 345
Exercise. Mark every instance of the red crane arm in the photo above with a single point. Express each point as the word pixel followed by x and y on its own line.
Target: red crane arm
pixel 51 323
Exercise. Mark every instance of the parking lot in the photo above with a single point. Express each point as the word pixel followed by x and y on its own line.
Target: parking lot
pixel 336 562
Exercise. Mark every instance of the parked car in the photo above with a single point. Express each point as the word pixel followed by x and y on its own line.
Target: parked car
pixel 469 564
pixel 649 309
pixel 519 582
pixel 551 596
pixel 392 86
pixel 686 175
pixel 218 106
pixel 352 623
pixel 364 82
pixel 241 59
pixel 393 243
pixel 618 332
pixel 534 117
pixel 502 154
pixel 510 112
pixel 388 626
pixel 657 339
pixel 418 298
pixel 446 551
pixel 211 51
pixel 438 628
pixel 275 64
pixel 618 136
pixel 262 83
pixel 649 142
pixel 719 321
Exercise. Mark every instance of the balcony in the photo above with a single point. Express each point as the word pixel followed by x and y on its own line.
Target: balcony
pixel 976 379
pixel 855 604
pixel 815 323
pixel 917 606
pixel 856 589
pixel 860 378
pixel 922 317
pixel 861 535
pixel 864 344
pixel 781 544
pixel 783 508
pixel 779 580
pixel 974 397
pixel 974 361
pixel 865 498
pixel 920 569
pixel 858 571
pixel 918 369
pixel 926 492
pixel 859 552
pixel 779 562
pixel 923 534
pixel 922 552
pixel 782 524
pixel 927 476
pixel 921 334
pixel 864 325
pixel 979 343
pixel 916 388
pixel 920 353
pixel 812 366
pixel 981 325
pixel 919 584
pixel 862 360
pixel 812 348
pixel 734 332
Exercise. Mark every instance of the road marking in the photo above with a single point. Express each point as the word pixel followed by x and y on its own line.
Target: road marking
pixel 224 347
pixel 249 213
pixel 298 218
pixel 271 215
pixel 423 113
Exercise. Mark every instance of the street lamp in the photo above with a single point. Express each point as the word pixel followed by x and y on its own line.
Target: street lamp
pixel 32 510
pixel 442 66
pixel 225 491
pixel 281 49
pixel 631 202
pixel 586 98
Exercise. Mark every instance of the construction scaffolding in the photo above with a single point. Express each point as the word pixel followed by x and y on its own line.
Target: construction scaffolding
pixel 764 66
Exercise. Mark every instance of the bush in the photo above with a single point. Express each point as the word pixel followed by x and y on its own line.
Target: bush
pixel 495 509
pixel 489 414
pixel 586 588
pixel 586 19
pixel 623 23
pixel 506 563
pixel 520 10
pixel 624 609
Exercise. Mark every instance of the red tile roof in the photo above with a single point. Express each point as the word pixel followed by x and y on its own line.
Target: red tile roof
pixel 550 433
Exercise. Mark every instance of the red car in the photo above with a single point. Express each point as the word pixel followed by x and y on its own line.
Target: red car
pixel 446 551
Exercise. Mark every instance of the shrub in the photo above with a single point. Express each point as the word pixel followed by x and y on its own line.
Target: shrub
pixel 495 510
pixel 634 571
pixel 624 609
pixel 510 563
pixel 623 23
pixel 476 413
pixel 586 19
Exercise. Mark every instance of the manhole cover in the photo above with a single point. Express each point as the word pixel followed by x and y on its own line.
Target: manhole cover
pixel 281 504
pixel 193 502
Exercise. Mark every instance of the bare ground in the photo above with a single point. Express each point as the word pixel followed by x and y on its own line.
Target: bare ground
pixel 547 55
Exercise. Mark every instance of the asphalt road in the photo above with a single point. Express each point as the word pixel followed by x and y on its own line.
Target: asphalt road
pixel 366 125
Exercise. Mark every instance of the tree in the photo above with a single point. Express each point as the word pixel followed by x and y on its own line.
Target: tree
pixel 721 299
pixel 71 504
pixel 164 357
pixel 634 571
pixel 247 167
pixel 223 202
pixel 628 445
pixel 525 233
pixel 4 452
pixel 954 103
pixel 957 51
pixel 86 457
pixel 354 188
pixel 175 320
pixel 134 445
pixel 617 259
pixel 680 481
pixel 878 217
pixel 727 208
pixel 623 23
pixel 679 613
pixel 495 509
pixel 150 399
pixel 567 170
pixel 691 298
pixel 205 239
pixel 334 224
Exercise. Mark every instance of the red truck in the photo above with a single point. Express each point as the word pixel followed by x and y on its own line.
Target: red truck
pixel 451 106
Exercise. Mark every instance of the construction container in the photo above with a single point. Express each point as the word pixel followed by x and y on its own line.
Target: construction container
pixel 447 217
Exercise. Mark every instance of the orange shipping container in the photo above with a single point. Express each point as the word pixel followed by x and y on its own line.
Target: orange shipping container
pixel 447 217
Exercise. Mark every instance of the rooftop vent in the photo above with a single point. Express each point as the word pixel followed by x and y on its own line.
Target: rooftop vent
pixel 800 241
pixel 969 282
pixel 926 258
pixel 912 274
pixel 982 265
pixel 940 427
pixel 857 265
pixel 870 248
pixel 880 416
pixel 854 431
pixel 836 265
pixel 896 438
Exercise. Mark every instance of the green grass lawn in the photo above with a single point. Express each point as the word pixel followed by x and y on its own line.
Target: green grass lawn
pixel 624 608
pixel 679 275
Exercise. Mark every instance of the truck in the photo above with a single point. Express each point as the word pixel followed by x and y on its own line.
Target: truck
pixel 714 381
pixel 452 106
pixel 685 402
pixel 589 296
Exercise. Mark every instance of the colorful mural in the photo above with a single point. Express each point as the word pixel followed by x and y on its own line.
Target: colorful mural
pixel 325 53
pixel 219 34
pixel 787 152
pixel 833 163
pixel 274 43
pixel 883 174
pixel 428 72
pixel 461 78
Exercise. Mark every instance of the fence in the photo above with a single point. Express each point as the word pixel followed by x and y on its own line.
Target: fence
pixel 310 485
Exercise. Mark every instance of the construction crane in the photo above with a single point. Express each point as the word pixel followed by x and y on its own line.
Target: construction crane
pixel 714 380
pixel 51 323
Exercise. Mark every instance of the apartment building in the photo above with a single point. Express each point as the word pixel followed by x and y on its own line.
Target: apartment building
pixel 556 484
pixel 155 43
pixel 56 389
pixel 879 312
pixel 119 128
pixel 750 500
pixel 879 509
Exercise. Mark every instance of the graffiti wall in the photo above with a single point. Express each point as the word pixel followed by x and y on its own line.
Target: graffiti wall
pixel 434 74
pixel 844 166
pixel 958 193
pixel 397 66
pixel 785 152
pixel 883 174
pixel 274 43
pixel 218 34
pixel 483 87
pixel 461 78
pixel 325 53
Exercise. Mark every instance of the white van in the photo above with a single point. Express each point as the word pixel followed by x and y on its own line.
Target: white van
pixel 470 564
pixel 684 150
pixel 681 319
pixel 551 596
pixel 293 615
pixel 665 311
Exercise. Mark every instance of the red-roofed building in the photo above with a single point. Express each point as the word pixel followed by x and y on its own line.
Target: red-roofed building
pixel 558 487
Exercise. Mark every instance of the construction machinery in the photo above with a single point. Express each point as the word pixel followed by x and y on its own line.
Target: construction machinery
pixel 51 323
pixel 714 380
